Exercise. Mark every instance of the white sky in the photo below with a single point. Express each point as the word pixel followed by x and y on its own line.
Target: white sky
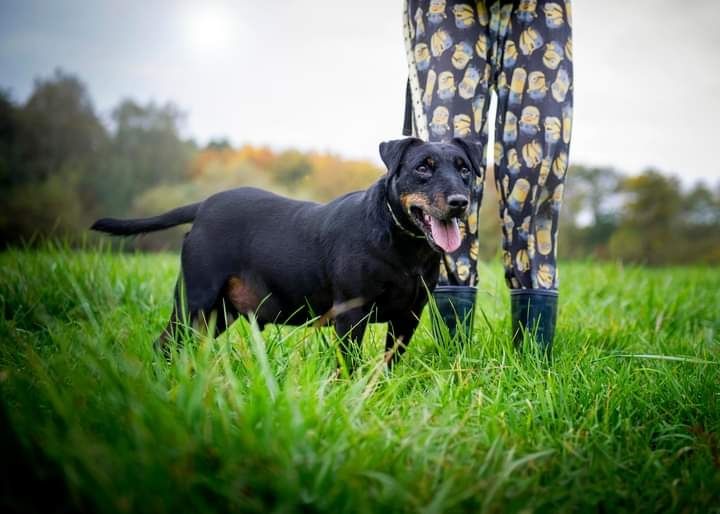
pixel 330 75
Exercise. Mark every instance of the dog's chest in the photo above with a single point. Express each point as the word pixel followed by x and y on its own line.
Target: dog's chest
pixel 400 294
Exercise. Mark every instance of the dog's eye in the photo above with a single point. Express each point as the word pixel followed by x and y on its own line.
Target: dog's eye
pixel 464 171
pixel 423 170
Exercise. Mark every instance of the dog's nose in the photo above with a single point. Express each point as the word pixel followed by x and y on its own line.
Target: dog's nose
pixel 458 201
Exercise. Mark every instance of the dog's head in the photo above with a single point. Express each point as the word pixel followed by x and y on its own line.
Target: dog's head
pixel 432 183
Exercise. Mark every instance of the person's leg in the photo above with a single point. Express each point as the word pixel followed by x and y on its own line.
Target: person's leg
pixel 448 47
pixel 534 123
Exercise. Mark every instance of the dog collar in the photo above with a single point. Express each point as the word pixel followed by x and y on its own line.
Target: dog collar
pixel 399 225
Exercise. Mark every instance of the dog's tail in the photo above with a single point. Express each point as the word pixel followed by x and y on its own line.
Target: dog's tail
pixel 185 214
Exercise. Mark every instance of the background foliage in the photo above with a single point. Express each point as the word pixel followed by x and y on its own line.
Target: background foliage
pixel 62 165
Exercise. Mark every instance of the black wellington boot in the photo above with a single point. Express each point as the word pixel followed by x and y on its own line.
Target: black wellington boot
pixel 534 311
pixel 456 306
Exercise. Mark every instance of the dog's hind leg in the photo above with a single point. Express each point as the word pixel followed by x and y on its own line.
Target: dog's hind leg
pixel 179 319
pixel 219 319
pixel 197 306
pixel 170 333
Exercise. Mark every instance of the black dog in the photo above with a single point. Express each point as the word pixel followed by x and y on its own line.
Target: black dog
pixel 287 261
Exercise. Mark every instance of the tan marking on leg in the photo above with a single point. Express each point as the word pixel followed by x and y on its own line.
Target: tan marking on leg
pixel 390 354
pixel 202 322
pixel 241 295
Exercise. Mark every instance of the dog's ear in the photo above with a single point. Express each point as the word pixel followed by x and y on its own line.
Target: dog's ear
pixel 473 150
pixel 393 151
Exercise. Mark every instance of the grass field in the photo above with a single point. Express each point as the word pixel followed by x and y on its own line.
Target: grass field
pixel 627 418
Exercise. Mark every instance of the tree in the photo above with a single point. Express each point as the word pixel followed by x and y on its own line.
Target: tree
pixel 590 214
pixel 650 230
pixel 220 144
pixel 290 168
pixel 59 129
pixel 701 207
pixel 48 147
pixel 10 133
pixel 700 226
pixel 146 150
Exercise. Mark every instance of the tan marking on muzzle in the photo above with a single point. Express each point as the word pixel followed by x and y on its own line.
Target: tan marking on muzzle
pixel 241 295
pixel 414 200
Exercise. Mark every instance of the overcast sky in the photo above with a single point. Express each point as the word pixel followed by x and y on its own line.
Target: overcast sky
pixel 330 74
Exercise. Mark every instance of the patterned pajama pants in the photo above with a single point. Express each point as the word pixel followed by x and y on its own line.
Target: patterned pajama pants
pixel 458 52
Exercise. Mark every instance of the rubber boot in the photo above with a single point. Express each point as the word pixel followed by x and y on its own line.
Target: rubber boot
pixel 534 311
pixel 456 306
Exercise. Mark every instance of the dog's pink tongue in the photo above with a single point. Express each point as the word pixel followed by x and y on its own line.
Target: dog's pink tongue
pixel 446 234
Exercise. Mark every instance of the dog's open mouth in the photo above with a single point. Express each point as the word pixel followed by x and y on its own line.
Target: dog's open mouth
pixel 441 234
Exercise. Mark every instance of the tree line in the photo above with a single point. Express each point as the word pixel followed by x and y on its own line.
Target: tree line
pixel 63 164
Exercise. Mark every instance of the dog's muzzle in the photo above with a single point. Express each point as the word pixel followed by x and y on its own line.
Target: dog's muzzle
pixel 441 229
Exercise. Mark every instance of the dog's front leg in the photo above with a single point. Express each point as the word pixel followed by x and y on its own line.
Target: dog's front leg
pixel 400 330
pixel 350 328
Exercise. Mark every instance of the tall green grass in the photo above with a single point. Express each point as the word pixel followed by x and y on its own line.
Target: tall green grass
pixel 627 417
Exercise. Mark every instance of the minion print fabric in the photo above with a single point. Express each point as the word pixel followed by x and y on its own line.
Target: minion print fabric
pixel 458 53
